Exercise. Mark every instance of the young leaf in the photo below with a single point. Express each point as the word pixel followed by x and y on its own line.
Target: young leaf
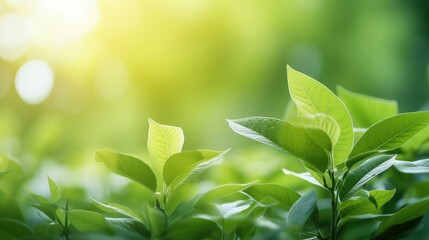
pixel 391 133
pixel 420 166
pixel 227 210
pixel 284 136
pixel 367 110
pixel 403 220
pixel 300 212
pixel 320 121
pixel 220 192
pixel 365 172
pixel 183 166
pixel 163 142
pixel 305 176
pixel 116 208
pixel 128 166
pixel 86 221
pixel 312 98
pixel 55 190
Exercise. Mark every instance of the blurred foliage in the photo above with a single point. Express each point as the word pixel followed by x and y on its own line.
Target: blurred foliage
pixel 192 64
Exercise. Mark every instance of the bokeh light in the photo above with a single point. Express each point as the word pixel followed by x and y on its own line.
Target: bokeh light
pixel 34 81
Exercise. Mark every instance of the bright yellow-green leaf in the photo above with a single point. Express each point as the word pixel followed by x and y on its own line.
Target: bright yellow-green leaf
pixel 55 190
pixel 184 166
pixel 163 142
pixel 366 110
pixel 312 98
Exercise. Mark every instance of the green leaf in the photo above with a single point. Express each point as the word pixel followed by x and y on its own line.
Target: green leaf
pixel 420 166
pixel 300 212
pixel 367 110
pixel 130 225
pixel 220 192
pixel 55 190
pixel 266 192
pixel 178 196
pixel 400 221
pixel 86 221
pixel 15 228
pixel 305 176
pixel 40 199
pixel 154 219
pixel 312 98
pixel 163 142
pixel 391 133
pixel 285 136
pixel 4 172
pixel 365 172
pixel 116 208
pixel 47 231
pixel 366 205
pixel 184 166
pixel 323 122
pixel 227 210
pixel 128 166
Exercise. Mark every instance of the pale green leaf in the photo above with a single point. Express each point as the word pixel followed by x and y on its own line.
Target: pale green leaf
pixel 399 221
pixel 116 208
pixel 300 212
pixel 304 176
pixel 367 110
pixel 128 166
pixel 226 210
pixel 391 133
pixel 178 196
pixel 184 166
pixel 285 136
pixel 419 166
pixel 163 142
pixel 312 98
pixel 220 192
pixel 55 190
pixel 365 172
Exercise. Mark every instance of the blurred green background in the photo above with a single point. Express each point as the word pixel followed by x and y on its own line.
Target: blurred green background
pixel 83 74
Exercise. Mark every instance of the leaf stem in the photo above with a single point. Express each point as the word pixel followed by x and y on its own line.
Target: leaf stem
pixel 334 203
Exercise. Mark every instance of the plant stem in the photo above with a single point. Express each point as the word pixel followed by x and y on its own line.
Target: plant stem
pixel 66 221
pixel 334 210
pixel 165 217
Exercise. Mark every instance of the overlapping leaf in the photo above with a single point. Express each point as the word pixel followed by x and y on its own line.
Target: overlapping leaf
pixel 285 136
pixel 391 133
pixel 365 172
pixel 367 110
pixel 312 98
